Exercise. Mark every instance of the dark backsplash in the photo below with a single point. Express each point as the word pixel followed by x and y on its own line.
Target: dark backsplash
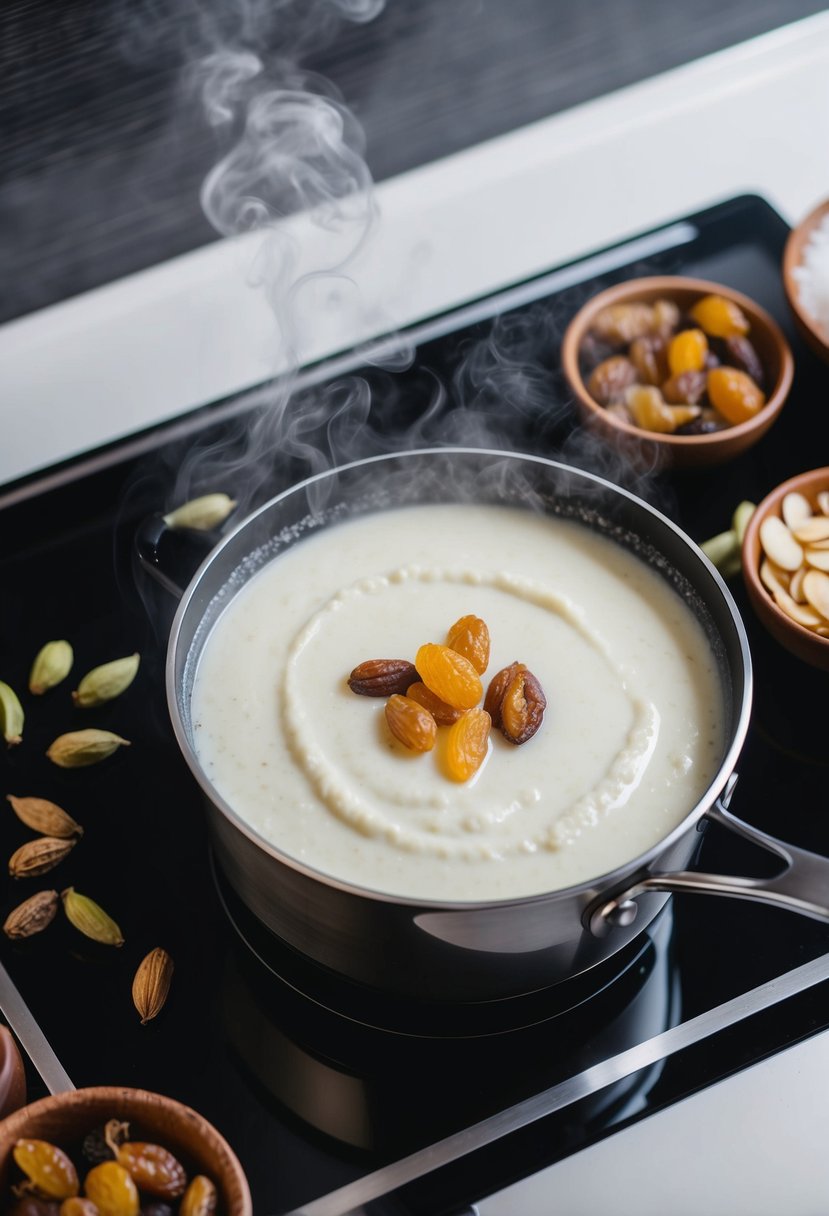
pixel 106 144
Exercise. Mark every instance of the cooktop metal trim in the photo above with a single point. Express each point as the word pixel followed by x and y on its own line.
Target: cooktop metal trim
pixel 22 1022
pixel 350 1199
pixel 373 351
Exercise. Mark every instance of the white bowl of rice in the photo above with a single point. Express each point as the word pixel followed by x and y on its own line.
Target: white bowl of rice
pixel 806 278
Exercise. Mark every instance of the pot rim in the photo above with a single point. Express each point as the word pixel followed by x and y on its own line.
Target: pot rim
pixel 587 888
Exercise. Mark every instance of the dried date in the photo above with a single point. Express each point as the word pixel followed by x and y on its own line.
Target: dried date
pixel 382 677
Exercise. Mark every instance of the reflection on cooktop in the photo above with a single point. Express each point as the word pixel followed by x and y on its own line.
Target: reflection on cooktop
pixel 387 1074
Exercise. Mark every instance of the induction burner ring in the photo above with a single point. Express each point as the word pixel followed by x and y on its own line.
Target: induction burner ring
pixel 351 1001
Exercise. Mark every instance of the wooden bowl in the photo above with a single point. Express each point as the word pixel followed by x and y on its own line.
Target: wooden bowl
pixel 12 1074
pixel 681 451
pixel 797 639
pixel 64 1119
pixel 813 334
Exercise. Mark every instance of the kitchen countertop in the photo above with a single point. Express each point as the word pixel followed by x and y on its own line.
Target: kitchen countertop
pixel 193 330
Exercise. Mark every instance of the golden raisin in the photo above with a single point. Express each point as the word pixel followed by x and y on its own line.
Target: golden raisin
pixel 470 637
pixel 200 1198
pixel 688 388
pixel 522 709
pixel 719 317
pixel 78 1207
pixel 609 381
pixel 153 1169
pixel 466 744
pixel 449 675
pixel 621 323
pixel 687 351
pixel 409 722
pixel 665 317
pixel 48 1169
pixel 652 413
pixel 649 355
pixel 443 714
pixel 734 394
pixel 112 1190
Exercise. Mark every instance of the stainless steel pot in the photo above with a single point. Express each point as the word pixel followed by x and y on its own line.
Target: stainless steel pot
pixel 488 949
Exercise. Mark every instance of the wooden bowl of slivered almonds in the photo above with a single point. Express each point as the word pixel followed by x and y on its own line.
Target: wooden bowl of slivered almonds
pixel 786 565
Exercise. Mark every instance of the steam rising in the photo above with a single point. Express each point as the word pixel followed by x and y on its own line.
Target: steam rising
pixel 292 145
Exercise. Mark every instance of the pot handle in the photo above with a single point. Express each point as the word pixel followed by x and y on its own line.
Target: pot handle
pixel 171 555
pixel 802 886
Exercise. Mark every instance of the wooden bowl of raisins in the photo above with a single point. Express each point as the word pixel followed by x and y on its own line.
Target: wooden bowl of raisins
pixel 676 370
pixel 119 1151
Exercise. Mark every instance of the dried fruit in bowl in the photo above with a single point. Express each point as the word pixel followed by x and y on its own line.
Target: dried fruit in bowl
pixel 665 364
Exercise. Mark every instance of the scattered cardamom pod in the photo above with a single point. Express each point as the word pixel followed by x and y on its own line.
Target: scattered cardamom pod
pixel 37 856
pixel 740 518
pixel 32 916
pixel 201 513
pixel 43 816
pixel 11 715
pixel 106 682
pixel 79 748
pixel 90 919
pixel 52 664
pixel 152 984
pixel 722 550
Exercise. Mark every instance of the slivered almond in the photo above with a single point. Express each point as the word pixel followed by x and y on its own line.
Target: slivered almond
pixel 823 501
pixel 772 577
pixel 818 559
pixel 812 530
pixel 802 613
pixel 816 591
pixel 795 509
pixel 779 544
pixel 796 585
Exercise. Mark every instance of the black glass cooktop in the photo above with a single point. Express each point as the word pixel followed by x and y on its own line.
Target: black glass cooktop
pixel 317 1084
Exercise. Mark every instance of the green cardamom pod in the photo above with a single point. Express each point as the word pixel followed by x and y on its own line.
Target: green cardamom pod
pixel 52 664
pixel 11 715
pixel 106 682
pixel 721 550
pixel 740 519
pixel 201 513
pixel 45 817
pixel 90 919
pixel 79 748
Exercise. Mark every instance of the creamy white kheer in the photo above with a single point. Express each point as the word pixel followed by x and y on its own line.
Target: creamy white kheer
pixel 631 739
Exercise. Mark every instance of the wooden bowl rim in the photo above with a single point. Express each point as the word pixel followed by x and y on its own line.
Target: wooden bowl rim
pixel 812 479
pixel 631 289
pixel 792 258
pixel 144 1102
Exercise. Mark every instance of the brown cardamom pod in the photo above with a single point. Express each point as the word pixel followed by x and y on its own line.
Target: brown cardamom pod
pixel 152 984
pixel 38 856
pixel 32 916
pixel 46 817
